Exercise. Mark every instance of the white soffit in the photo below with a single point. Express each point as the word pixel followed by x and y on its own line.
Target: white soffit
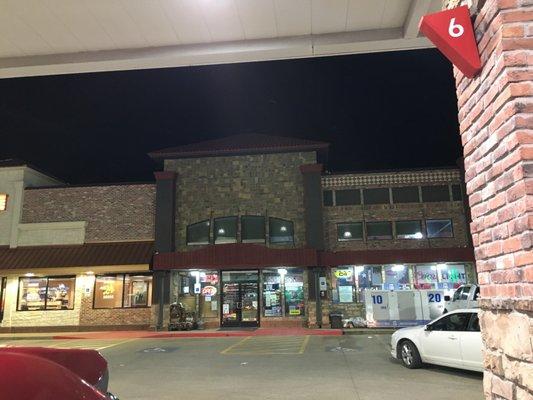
pixel 47 37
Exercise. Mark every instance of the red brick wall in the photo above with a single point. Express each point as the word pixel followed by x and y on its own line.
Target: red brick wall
pixel 91 318
pixel 113 212
pixel 496 121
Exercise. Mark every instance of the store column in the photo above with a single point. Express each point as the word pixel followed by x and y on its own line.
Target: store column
pixel 496 125
pixel 165 211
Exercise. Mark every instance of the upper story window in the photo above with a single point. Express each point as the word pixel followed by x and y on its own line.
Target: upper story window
pixel 347 197
pixel 350 231
pixel 46 293
pixel 225 230
pixel 439 228
pixel 407 194
pixel 198 233
pixel 409 230
pixel 457 193
pixel 281 230
pixel 123 291
pixel 435 193
pixel 253 229
pixel 3 201
pixel 379 230
pixel 327 197
pixel 376 196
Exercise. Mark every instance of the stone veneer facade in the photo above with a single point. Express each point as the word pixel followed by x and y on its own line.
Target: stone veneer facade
pixel 496 121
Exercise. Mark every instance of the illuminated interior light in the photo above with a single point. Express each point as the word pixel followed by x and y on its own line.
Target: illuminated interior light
pixel 398 267
pixel 29 274
pixel 3 202
pixel 418 235
pixel 347 234
pixel 221 231
pixel 282 271
pixel 283 228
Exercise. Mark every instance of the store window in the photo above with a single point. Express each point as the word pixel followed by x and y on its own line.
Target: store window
pixel 198 292
pixel 343 284
pixel 426 277
pixel 3 201
pixel 294 293
pixel 350 231
pixel 272 290
pixel 451 276
pixel 327 197
pixel 54 293
pixel 379 230
pixel 347 197
pixel 376 196
pixel 281 230
pixel 122 291
pixel 252 229
pixel 408 194
pixel 435 193
pixel 397 277
pixel 198 233
pixel 409 230
pixel 457 193
pixel 225 230
pixel 439 228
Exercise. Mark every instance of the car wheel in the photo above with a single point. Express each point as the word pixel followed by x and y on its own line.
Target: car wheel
pixel 409 355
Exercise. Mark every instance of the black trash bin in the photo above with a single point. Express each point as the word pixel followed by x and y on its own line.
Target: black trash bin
pixel 335 320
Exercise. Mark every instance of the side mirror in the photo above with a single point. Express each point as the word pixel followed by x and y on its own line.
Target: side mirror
pixel 447 298
pixel 428 328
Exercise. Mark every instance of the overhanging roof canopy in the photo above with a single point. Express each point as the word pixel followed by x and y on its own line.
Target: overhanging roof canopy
pixel 47 37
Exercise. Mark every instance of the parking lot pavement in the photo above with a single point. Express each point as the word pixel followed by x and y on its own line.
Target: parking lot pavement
pixel 314 367
pixel 100 344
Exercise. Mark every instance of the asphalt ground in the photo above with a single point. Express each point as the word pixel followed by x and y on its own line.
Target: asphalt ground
pixel 355 367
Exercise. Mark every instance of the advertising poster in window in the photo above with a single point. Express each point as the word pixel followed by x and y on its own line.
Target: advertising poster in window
pixel 345 294
pixel 294 295
pixel 272 295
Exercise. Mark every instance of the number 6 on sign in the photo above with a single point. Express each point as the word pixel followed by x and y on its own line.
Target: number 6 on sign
pixel 455 30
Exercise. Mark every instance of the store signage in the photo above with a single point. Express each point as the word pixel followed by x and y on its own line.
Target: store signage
pixel 209 291
pixel 343 273
pixel 197 288
pixel 451 31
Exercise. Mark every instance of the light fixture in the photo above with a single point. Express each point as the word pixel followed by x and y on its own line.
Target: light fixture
pixel 221 231
pixel 440 267
pixel 282 271
pixel 29 274
pixel 398 267
pixel 89 273
pixel 358 269
pixel 418 235
pixel 3 201
pixel 283 228
pixel 347 234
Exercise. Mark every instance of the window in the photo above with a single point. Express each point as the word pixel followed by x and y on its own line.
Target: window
pixel 204 301
pixel 252 229
pixel 473 324
pixel 347 197
pixel 272 294
pixel 350 231
pixel 432 194
pixel 122 291
pixel 281 230
pixel 376 196
pixel 225 230
pixel 56 293
pixel 294 293
pixel 3 201
pixel 465 293
pixel 476 294
pixel 426 277
pixel 396 277
pixel 198 233
pixel 327 196
pixel 451 276
pixel 379 230
pixel 452 322
pixel 343 284
pixel 439 228
pixel 409 230
pixel 457 193
pixel 407 194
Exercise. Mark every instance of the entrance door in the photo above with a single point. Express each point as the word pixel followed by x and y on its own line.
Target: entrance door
pixel 240 298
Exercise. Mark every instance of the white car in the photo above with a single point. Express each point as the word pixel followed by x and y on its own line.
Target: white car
pixel 452 340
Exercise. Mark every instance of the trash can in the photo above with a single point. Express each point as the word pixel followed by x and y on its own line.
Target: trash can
pixel 335 320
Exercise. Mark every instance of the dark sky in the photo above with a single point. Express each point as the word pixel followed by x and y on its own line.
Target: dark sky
pixel 378 111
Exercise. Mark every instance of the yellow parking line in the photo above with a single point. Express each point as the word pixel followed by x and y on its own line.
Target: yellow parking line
pixel 235 344
pixel 304 345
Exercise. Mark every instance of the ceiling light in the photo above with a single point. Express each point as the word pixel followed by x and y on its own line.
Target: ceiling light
pixel 283 228
pixel 29 274
pixel 282 271
pixel 89 273
pixel 347 234
pixel 221 231
pixel 418 235
pixel 398 267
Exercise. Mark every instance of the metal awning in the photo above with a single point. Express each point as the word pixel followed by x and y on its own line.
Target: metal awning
pixel 47 37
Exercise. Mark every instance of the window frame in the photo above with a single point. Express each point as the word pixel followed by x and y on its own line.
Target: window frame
pixel 357 197
pixel 270 219
pixel 440 237
pixel 328 192
pixel 123 290
pixel 351 239
pixel 446 186
pixel 368 237
pixel 447 316
pixel 46 293
pixel 406 202
pixel 396 236
pixel 253 240
pixel 236 229
pixel 388 189
pixel 188 243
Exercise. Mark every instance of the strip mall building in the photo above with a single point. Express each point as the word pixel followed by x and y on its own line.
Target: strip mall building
pixel 247 230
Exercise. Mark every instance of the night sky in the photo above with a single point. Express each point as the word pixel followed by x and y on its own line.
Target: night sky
pixel 378 111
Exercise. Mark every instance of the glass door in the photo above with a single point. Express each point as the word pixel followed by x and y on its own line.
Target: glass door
pixel 240 299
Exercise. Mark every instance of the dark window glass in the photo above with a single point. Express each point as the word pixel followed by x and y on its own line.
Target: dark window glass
pixel 473 324
pixel 281 230
pixel 347 197
pixel 376 196
pixel 327 197
pixel 405 194
pixel 409 230
pixel 350 231
pixel 457 194
pixel 476 294
pixel 225 230
pixel 439 228
pixel 452 322
pixel 253 228
pixel 379 230
pixel 435 193
pixel 198 233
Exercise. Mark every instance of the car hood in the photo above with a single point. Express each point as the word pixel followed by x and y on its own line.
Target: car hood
pixel 410 329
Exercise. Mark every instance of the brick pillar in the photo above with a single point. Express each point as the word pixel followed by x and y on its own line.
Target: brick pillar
pixel 496 124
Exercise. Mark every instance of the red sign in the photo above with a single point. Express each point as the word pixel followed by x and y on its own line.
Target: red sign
pixel 451 31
